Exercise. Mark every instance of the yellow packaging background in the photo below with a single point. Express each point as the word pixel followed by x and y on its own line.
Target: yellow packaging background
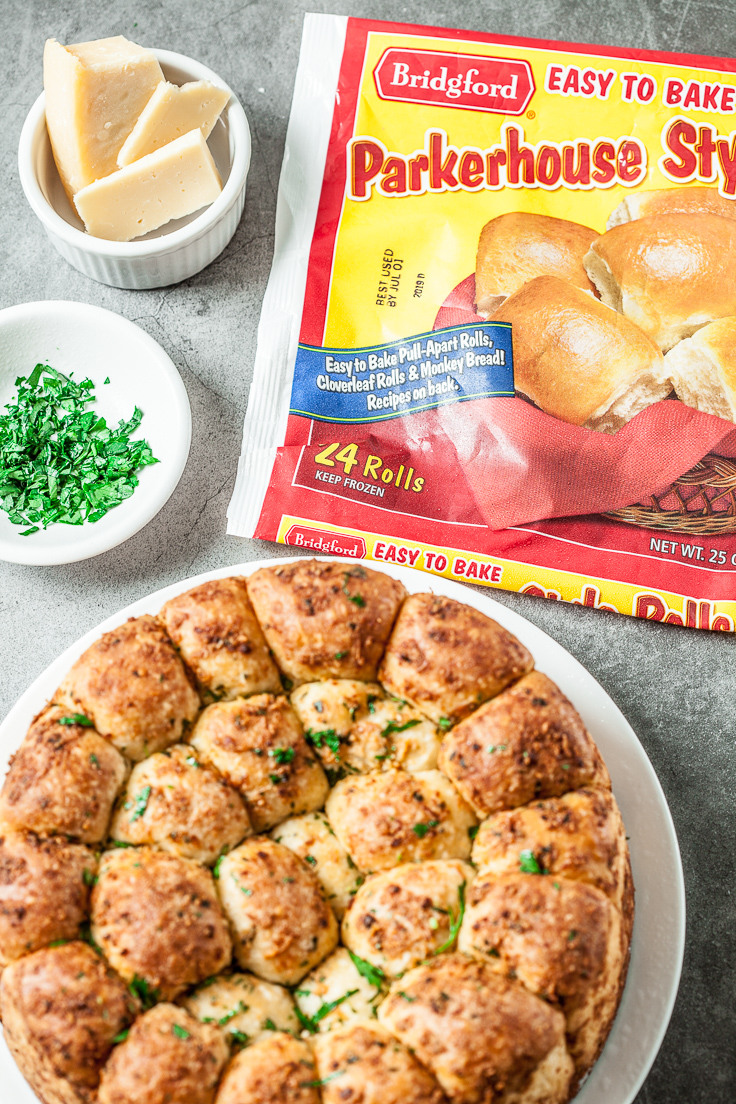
pixel 437 234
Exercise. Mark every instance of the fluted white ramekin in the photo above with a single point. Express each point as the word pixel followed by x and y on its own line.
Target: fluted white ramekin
pixel 166 256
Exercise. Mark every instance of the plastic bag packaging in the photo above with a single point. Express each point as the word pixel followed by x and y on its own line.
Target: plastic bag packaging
pixel 499 337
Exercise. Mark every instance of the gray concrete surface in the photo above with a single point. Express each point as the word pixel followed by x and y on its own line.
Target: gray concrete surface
pixel 675 687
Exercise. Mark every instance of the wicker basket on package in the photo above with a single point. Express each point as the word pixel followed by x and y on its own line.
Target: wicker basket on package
pixel 702 501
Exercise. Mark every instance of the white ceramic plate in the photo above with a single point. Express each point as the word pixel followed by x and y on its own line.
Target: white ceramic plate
pixel 95 343
pixel 659 927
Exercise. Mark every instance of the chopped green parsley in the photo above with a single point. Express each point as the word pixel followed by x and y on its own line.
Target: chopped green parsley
pixel 60 462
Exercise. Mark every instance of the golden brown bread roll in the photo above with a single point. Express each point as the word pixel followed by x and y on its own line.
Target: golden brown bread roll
pixel 561 940
pixel 402 916
pixel 277 909
pixel 44 891
pixel 527 743
pixel 702 369
pixel 446 658
pixel 375 730
pixel 579 836
pixel 258 746
pixel 669 274
pixel 484 1038
pixel 215 629
pixel 133 687
pixel 167 1058
pixel 62 1008
pixel 325 620
pixel 692 200
pixel 157 918
pixel 276 1069
pixel 63 779
pixel 311 837
pixel 175 803
pixel 516 247
pixel 579 360
pixel 364 1063
pixel 385 819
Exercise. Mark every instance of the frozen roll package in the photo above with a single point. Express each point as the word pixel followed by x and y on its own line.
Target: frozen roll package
pixel 497 339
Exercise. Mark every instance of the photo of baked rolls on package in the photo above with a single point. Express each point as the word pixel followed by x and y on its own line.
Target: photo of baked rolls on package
pixel 516 356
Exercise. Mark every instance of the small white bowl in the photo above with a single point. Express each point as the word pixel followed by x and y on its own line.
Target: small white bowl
pixel 170 254
pixel 96 344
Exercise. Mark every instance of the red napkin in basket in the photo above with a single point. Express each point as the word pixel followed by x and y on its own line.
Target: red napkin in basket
pixel 523 465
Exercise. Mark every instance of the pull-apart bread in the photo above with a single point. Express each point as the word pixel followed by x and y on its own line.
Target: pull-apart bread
pixel 515 247
pixel 578 359
pixel 669 274
pixel 671 201
pixel 703 369
pixel 440 912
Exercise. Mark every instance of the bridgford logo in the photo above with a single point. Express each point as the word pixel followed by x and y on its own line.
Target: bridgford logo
pixel 321 540
pixel 472 82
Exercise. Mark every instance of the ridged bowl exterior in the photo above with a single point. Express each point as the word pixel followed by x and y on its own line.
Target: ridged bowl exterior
pixel 156 261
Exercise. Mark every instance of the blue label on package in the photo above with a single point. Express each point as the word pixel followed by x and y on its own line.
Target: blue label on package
pixel 455 364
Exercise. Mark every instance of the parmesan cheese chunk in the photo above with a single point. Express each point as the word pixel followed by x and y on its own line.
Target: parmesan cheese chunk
pixel 172 182
pixel 171 112
pixel 95 92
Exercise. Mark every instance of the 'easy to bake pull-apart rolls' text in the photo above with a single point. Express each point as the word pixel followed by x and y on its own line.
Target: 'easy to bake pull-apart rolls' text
pixel 63 1009
pixel 486 1040
pixel 325 620
pixel 133 687
pixel 157 919
pixel 257 744
pixel 217 633
pixel 527 743
pixel 384 820
pixel 446 658
pixel 175 803
pixel 63 779
pixel 277 910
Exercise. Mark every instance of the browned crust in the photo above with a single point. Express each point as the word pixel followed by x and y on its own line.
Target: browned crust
pixel 476 1032
pixel 540 748
pixel 372 1068
pixel 447 658
pixel 62 1008
pixel 62 780
pixel 603 352
pixel 169 1057
pixel 215 628
pixel 518 246
pixel 44 891
pixel 132 684
pixel 325 620
pixel 274 1070
pixel 157 916
pixel 248 741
